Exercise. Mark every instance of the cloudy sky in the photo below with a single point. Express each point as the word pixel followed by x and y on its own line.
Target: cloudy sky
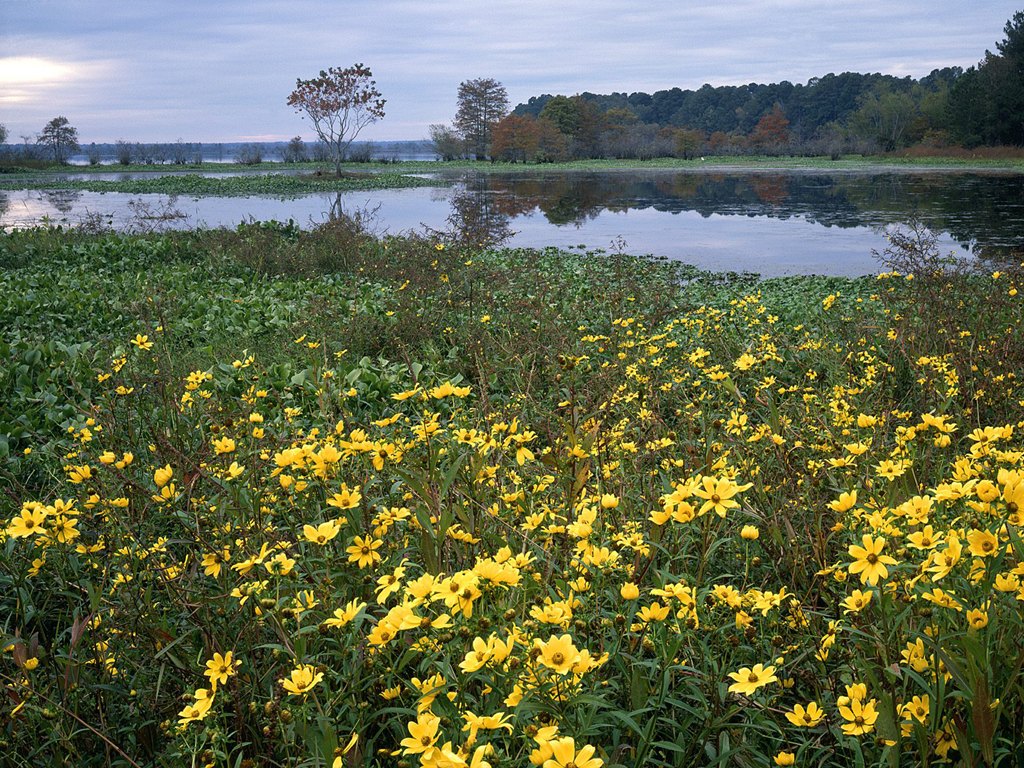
pixel 221 70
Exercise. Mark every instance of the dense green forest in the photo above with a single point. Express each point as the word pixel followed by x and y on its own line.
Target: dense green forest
pixel 832 114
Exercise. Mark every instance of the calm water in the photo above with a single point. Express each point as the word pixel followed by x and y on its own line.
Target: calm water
pixel 769 222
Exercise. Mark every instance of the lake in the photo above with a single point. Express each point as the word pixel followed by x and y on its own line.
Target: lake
pixel 772 222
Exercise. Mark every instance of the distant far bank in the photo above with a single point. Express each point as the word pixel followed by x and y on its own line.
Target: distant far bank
pixel 220 179
pixel 189 153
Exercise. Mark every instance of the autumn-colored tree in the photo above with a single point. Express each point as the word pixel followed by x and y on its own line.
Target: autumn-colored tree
pixel 526 139
pixel 516 139
pixel 339 103
pixel 771 132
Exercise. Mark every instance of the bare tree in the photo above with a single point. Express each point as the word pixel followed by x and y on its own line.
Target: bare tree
pixel 448 144
pixel 123 151
pixel 482 103
pixel 339 103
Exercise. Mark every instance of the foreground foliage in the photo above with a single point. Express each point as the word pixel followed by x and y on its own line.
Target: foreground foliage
pixel 287 498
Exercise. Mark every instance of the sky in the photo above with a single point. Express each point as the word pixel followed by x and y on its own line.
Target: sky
pixel 221 70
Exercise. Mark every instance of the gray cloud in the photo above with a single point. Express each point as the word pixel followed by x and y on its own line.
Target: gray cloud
pixel 157 71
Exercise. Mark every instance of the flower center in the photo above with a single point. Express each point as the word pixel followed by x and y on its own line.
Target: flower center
pixel 558 657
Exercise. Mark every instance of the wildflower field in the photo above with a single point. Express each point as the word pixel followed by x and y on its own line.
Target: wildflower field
pixel 284 498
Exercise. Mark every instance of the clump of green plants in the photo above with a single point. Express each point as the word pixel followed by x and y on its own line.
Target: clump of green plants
pixel 278 497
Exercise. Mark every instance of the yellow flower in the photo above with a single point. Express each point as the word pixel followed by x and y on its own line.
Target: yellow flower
pixel 163 475
pixel 868 560
pixel 977 618
pixel 718 493
pixel 982 543
pixel 750 533
pixel 442 391
pixel 857 601
pixel 477 657
pixel 806 718
pixel 844 503
pixel 422 735
pixel 565 755
pixel 302 680
pixel 744 362
pixel 322 533
pixel 558 654
pixel 28 523
pixel 749 680
pixel 196 711
pixel 475 723
pixel 860 716
pixel 220 668
pixel 345 498
pixel 142 342
pixel 923 539
pixel 942 599
pixel 786 758
pixel 916 709
pixel 363 551
pixel 280 564
pixel 343 616
pixel 406 394
pixel 653 612
pixel 213 561
pixel 629 591
pixel 223 445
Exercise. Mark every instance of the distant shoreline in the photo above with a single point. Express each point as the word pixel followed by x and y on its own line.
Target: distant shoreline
pixel 711 164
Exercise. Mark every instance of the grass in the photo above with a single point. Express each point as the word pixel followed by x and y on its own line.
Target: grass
pixel 275 497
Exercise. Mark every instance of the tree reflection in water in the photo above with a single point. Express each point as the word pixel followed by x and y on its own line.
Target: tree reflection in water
pixel 983 212
pixel 63 200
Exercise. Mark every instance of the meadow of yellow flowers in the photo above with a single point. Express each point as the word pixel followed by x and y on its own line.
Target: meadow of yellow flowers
pixel 559 510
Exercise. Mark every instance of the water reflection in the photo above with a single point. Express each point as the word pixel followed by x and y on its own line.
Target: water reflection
pixel 62 200
pixel 483 219
pixel 984 213
pixel 770 222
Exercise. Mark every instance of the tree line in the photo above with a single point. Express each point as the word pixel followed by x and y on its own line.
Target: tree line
pixel 832 115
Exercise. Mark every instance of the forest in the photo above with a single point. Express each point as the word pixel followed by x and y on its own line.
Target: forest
pixel 952 107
